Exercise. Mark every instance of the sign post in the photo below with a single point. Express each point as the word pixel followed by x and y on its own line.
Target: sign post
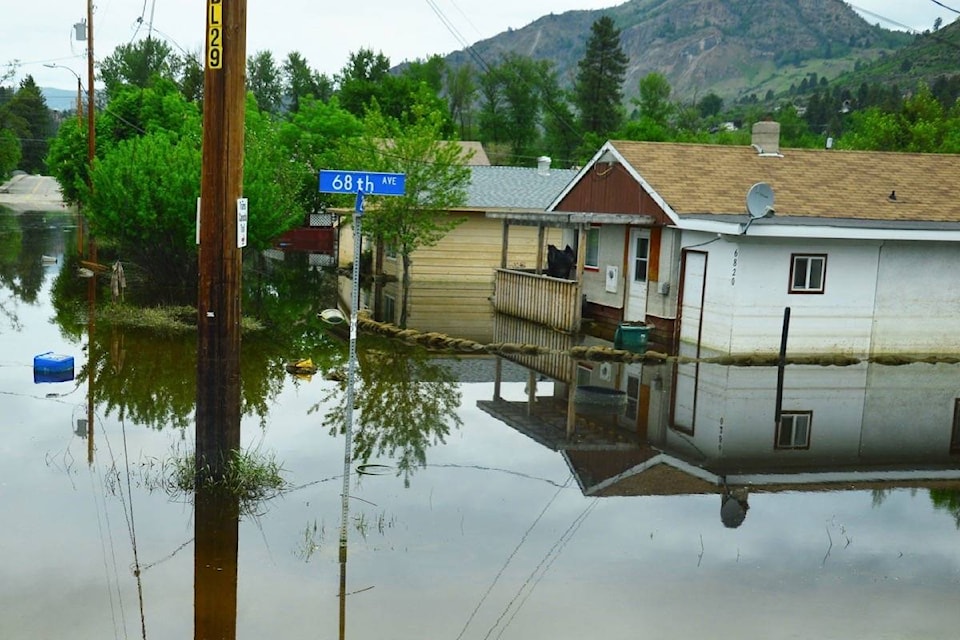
pixel 361 183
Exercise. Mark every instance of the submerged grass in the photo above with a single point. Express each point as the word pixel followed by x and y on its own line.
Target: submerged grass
pixel 171 319
pixel 251 476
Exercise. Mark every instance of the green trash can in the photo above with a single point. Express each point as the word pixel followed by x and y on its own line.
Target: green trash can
pixel 631 337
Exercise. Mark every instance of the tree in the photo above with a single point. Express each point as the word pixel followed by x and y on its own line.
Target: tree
pixel 520 101
pixel 136 64
pixel 654 99
pixel 598 88
pixel 366 81
pixel 264 81
pixel 147 178
pixel 313 135
pixel 300 81
pixel 10 151
pixel 461 90
pixel 518 78
pixel 30 120
pixel 144 202
pixel 710 105
pixel 436 182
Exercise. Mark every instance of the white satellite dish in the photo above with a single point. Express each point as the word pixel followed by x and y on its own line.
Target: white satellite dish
pixel 760 200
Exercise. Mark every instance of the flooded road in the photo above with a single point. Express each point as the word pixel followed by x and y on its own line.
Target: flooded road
pixel 478 508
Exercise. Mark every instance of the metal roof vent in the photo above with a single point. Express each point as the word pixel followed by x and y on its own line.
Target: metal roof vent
pixel 543 165
pixel 765 138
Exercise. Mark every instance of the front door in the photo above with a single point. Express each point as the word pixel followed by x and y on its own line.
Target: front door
pixel 637 269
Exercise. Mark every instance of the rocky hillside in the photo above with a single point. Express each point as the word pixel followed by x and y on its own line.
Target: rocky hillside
pixel 731 47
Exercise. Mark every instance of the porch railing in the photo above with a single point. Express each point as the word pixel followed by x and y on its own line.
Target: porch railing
pixel 552 302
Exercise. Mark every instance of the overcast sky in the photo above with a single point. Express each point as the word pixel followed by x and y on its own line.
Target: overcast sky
pixel 325 33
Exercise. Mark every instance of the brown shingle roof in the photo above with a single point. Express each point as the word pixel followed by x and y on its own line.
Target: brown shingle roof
pixel 713 179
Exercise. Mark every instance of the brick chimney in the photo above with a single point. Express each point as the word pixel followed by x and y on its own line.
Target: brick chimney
pixel 765 137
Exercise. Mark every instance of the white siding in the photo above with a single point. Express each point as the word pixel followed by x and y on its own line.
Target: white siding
pixel 918 299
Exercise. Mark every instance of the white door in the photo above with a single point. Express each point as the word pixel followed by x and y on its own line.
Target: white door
pixel 686 375
pixel 637 269
pixel 694 278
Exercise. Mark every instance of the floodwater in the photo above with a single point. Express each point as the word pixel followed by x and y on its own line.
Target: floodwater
pixel 479 508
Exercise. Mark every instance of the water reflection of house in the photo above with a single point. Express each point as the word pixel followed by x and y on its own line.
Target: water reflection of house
pixel 452 281
pixel 695 429
pixel 862 246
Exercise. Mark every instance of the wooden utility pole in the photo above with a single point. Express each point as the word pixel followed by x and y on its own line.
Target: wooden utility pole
pixel 221 184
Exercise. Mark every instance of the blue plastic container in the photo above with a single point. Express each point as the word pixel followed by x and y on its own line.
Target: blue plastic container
pixel 52 367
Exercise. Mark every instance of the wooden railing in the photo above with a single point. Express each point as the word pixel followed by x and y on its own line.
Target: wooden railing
pixel 556 364
pixel 552 302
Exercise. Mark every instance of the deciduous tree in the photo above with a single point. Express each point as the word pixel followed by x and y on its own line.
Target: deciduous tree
pixel 436 182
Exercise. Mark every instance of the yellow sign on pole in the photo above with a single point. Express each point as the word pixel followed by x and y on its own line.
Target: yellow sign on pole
pixel 214 34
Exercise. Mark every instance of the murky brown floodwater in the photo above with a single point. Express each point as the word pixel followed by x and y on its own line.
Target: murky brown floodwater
pixel 479 514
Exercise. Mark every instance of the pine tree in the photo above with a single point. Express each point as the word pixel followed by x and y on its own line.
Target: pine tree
pixel 598 89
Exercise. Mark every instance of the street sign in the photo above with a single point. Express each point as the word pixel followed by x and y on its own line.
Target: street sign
pixel 370 183
pixel 242 219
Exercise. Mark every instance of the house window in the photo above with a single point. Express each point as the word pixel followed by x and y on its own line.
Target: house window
pixel 633 397
pixel 390 252
pixel 807 273
pixel 389 308
pixel 642 257
pixel 592 259
pixel 793 432
pixel 584 375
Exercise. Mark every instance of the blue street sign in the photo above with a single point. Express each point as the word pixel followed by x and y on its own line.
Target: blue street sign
pixel 371 183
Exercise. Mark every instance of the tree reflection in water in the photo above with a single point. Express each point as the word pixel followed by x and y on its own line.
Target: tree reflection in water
pixel 405 400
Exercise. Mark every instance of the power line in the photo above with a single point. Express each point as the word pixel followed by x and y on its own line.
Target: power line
pixel 940 4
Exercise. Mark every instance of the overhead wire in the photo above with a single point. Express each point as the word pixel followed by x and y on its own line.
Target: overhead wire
pixel 510 557
pixel 482 63
pixel 540 571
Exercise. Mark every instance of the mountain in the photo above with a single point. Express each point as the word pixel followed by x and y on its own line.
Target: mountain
pixel 60 99
pixel 929 57
pixel 733 48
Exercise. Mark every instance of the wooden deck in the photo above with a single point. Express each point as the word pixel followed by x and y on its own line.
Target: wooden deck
pixel 552 302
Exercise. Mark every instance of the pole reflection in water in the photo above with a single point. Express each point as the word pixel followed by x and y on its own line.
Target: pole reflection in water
pixel 216 536
pixel 91 360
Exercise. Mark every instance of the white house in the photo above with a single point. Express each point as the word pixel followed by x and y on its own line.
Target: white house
pixel 862 247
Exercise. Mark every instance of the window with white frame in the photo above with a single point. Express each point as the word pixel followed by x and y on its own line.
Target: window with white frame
pixel 807 273
pixel 793 432
pixel 592 259
pixel 641 259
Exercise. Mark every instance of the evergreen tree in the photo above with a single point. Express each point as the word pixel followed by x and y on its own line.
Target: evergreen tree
pixel 598 88
pixel 29 118
pixel 265 82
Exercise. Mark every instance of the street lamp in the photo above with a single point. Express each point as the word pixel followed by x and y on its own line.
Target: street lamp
pixel 79 90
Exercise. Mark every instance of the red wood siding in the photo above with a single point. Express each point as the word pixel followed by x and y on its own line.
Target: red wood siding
pixel 316 239
pixel 609 188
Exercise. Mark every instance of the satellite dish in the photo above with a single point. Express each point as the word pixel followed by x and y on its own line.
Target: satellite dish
pixel 760 200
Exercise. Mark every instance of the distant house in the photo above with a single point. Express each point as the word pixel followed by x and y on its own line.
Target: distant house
pixel 862 247
pixel 452 281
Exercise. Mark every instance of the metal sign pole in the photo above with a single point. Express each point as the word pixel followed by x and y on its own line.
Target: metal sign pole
pixel 351 373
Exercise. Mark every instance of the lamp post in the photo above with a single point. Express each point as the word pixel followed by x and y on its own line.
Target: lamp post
pixel 80 234
pixel 79 90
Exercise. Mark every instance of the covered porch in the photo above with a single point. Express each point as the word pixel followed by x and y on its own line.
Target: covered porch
pixel 555 302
